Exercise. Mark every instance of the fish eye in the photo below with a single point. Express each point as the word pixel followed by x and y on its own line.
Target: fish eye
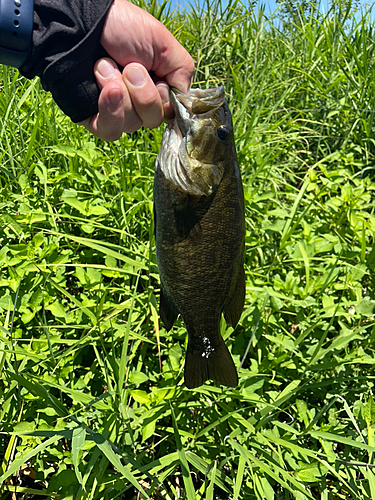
pixel 222 132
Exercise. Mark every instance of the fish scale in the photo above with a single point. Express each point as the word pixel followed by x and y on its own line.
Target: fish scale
pixel 200 236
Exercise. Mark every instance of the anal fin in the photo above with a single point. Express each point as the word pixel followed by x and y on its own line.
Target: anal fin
pixel 233 309
pixel 167 311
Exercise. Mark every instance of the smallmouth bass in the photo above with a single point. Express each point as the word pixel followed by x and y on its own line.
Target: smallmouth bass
pixel 200 230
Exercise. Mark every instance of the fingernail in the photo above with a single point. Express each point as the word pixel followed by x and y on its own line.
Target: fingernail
pixel 105 69
pixel 115 98
pixel 136 76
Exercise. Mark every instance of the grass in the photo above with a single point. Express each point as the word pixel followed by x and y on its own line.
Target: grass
pixel 92 400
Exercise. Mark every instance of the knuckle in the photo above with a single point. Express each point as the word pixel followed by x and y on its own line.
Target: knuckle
pixel 149 101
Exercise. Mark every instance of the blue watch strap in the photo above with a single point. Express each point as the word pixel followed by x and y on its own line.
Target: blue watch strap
pixel 16 27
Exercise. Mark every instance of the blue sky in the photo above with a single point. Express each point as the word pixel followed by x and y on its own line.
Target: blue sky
pixel 271 4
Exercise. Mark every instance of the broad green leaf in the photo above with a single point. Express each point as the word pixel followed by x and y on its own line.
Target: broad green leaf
pixel 141 397
pixel 263 487
pixel 74 300
pixel 365 307
pixel 137 378
pixel 148 430
pixel 56 309
pixel 368 411
pixel 64 149
pixel 312 472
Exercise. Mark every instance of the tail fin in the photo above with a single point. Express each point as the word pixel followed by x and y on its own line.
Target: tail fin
pixel 217 366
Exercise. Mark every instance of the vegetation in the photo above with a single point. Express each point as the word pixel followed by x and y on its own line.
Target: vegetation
pixel 92 400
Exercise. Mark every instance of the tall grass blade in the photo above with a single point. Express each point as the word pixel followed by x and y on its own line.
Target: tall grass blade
pixel 185 471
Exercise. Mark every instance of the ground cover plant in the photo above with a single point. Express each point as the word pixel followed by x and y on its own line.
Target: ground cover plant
pixel 92 400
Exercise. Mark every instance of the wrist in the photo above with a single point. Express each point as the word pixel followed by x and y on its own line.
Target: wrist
pixel 16 27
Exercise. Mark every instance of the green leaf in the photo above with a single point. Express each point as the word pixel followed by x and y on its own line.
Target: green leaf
pixel 368 411
pixel 263 487
pixel 114 459
pixel 137 378
pixel 365 307
pixel 312 472
pixel 202 466
pixel 75 301
pixel 38 390
pixel 210 488
pixel 239 478
pixel 185 471
pixel 148 429
pixel 78 439
pixel 6 302
pixel 96 210
pixel 25 458
pixel 56 309
pixel 141 397
pixel 341 439
pixel 64 149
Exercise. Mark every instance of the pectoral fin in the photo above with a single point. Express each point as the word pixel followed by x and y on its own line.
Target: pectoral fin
pixel 167 311
pixel 233 309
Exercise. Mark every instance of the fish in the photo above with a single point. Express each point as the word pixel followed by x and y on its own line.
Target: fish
pixel 199 227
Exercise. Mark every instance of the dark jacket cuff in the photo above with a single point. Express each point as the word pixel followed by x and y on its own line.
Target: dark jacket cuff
pixel 66 45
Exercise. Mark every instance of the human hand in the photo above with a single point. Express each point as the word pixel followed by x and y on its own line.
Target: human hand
pixel 139 43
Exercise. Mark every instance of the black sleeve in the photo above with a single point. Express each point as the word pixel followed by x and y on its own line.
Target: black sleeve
pixel 66 45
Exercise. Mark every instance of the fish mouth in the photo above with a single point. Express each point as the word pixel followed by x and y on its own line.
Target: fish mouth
pixel 188 107
pixel 199 101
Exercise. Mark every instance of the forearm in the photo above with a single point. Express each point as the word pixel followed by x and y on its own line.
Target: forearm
pixel 65 47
